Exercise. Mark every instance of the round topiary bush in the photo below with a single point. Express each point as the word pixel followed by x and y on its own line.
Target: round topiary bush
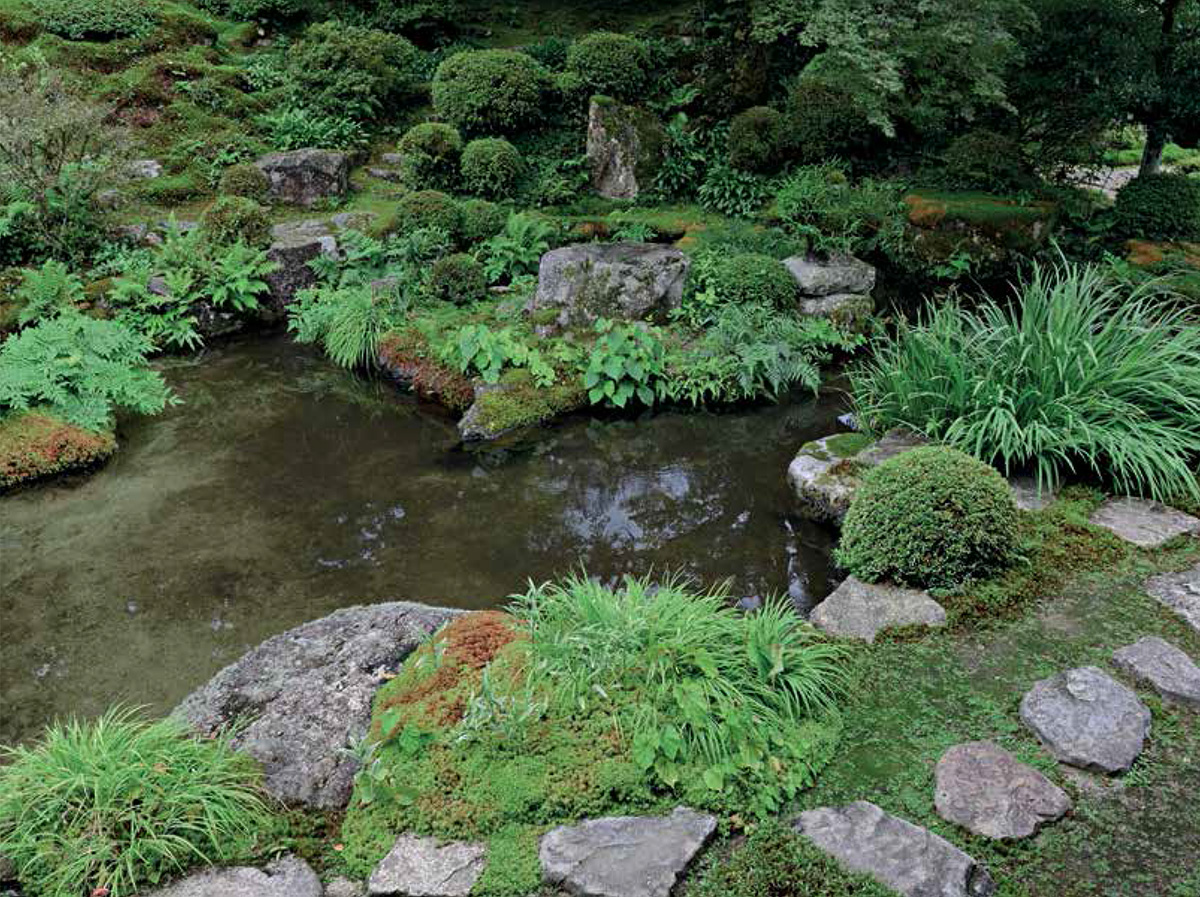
pixel 610 64
pixel 236 219
pixel 248 181
pixel 1159 207
pixel 480 220
pixel 756 139
pixel 458 278
pixel 490 91
pixel 490 167
pixel 431 152
pixel 824 121
pixel 429 208
pixel 985 160
pixel 750 278
pixel 932 517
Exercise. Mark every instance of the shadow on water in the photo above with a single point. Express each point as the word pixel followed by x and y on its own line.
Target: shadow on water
pixel 283 489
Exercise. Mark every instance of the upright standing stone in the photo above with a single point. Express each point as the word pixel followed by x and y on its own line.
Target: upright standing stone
pixel 1172 673
pixel 1180 592
pixel 1146 524
pixel 624 148
pixel 421 867
pixel 1087 719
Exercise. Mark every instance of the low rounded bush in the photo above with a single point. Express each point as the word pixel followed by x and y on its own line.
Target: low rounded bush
pixel 429 209
pixel 490 167
pixel 932 517
pixel 1159 207
pixel 756 139
pixel 480 220
pixel 96 19
pixel 458 278
pixel 824 121
pixel 236 219
pixel 490 91
pixel 431 152
pixel 123 803
pixel 612 64
pixel 248 181
pixel 749 278
pixel 985 160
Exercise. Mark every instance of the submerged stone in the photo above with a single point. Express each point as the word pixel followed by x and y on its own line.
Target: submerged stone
pixel 624 856
pixel 1180 592
pixel 421 867
pixel 285 877
pixel 987 791
pixel 1169 670
pixel 911 860
pixel 1146 524
pixel 862 610
pixel 1087 719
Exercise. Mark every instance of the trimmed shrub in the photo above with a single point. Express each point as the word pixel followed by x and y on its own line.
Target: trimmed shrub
pixel 756 139
pixel 824 121
pixel 932 517
pixel 236 219
pixel 429 208
pixel 750 278
pixel 611 64
pixel 431 153
pixel 95 19
pixel 1159 207
pixel 459 279
pixel 344 70
pixel 985 160
pixel 490 167
pixel 490 91
pixel 247 181
pixel 481 220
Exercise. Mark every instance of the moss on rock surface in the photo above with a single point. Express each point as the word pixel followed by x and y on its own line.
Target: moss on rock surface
pixel 34 445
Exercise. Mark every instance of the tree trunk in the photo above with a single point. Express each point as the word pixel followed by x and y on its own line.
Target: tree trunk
pixel 1156 141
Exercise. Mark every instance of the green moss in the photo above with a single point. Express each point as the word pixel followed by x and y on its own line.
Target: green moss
pixel 34 445
pixel 847 445
pixel 521 402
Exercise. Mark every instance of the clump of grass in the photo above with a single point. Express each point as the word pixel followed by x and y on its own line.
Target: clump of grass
pixel 121 802
pixel 1080 374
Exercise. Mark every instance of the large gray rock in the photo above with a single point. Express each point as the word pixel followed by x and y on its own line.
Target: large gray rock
pixel 344 887
pixel 304 696
pixel 305 177
pixel 830 275
pixel 285 877
pixel 986 790
pixel 624 856
pixel 848 311
pixel 1147 524
pixel 144 169
pixel 620 281
pixel 1180 592
pixel 903 856
pixel 862 610
pixel 1087 719
pixel 421 867
pixel 624 148
pixel 827 472
pixel 293 246
pixel 1170 671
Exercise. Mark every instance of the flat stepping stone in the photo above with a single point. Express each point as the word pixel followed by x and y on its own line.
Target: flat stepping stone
pixel 288 876
pixel 1180 592
pixel 1028 496
pixel 1087 719
pixel 862 610
pixel 986 790
pixel 425 867
pixel 1171 672
pixel 624 856
pixel 1146 524
pixel 910 859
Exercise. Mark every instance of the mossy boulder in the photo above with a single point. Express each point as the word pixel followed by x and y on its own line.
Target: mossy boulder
pixel 624 148
pixel 35 445
pixel 517 402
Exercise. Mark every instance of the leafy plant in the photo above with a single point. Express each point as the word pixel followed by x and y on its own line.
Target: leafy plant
pixel 626 362
pixel 294 127
pixel 490 91
pixel 683 160
pixel 518 249
pixel 1080 373
pixel 734 192
pixel 96 19
pixel 479 348
pixel 1159 207
pixel 820 203
pixel 46 292
pixel 237 278
pixel 119 803
pixel 431 152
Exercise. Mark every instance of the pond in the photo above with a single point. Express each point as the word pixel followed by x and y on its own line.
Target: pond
pixel 283 488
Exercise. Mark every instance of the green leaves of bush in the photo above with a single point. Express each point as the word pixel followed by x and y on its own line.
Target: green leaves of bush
pixel 490 91
pixel 1159 207
pixel 627 362
pixel 95 19
pixel 611 64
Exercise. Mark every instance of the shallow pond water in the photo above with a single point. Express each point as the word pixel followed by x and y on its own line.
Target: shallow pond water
pixel 283 488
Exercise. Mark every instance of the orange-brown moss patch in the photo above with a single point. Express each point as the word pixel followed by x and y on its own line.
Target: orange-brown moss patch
pixel 35 445
pixel 404 355
pixel 1145 253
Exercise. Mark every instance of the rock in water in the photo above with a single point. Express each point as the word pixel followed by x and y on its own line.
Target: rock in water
pixel 903 856
pixel 826 473
pixel 304 177
pixel 619 281
pixel 624 856
pixel 1087 719
pixel 1180 592
pixel 1146 524
pixel 862 610
pixel 837 287
pixel 286 877
pixel 304 696
pixel 420 867
pixel 624 148
pixel 983 788
pixel 1172 673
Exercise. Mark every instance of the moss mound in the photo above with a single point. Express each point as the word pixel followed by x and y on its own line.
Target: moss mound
pixel 34 445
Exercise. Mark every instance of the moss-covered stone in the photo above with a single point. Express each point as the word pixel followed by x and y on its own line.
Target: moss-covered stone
pixel 624 147
pixel 517 401
pixel 34 445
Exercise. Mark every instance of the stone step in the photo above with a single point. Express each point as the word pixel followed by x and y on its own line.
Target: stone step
pixel 1170 671
pixel 1180 592
pixel 862 610
pixel 1144 523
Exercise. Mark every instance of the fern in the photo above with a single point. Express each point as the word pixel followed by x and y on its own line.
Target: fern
pixel 47 291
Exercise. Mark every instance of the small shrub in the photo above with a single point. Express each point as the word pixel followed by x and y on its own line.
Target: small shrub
pixel 612 64
pixel 750 278
pixel 246 181
pixel 429 209
pixel 490 91
pixel 985 160
pixel 820 203
pixel 458 279
pixel 756 139
pixel 295 127
pixel 236 219
pixel 431 153
pixel 120 803
pixel 931 517
pixel 732 192
pixel 481 220
pixel 490 167
pixel 96 19
pixel 824 122
pixel 1162 206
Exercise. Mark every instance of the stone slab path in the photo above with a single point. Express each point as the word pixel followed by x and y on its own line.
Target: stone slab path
pixel 862 610
pixel 1180 592
pixel 1169 670
pixel 1146 524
